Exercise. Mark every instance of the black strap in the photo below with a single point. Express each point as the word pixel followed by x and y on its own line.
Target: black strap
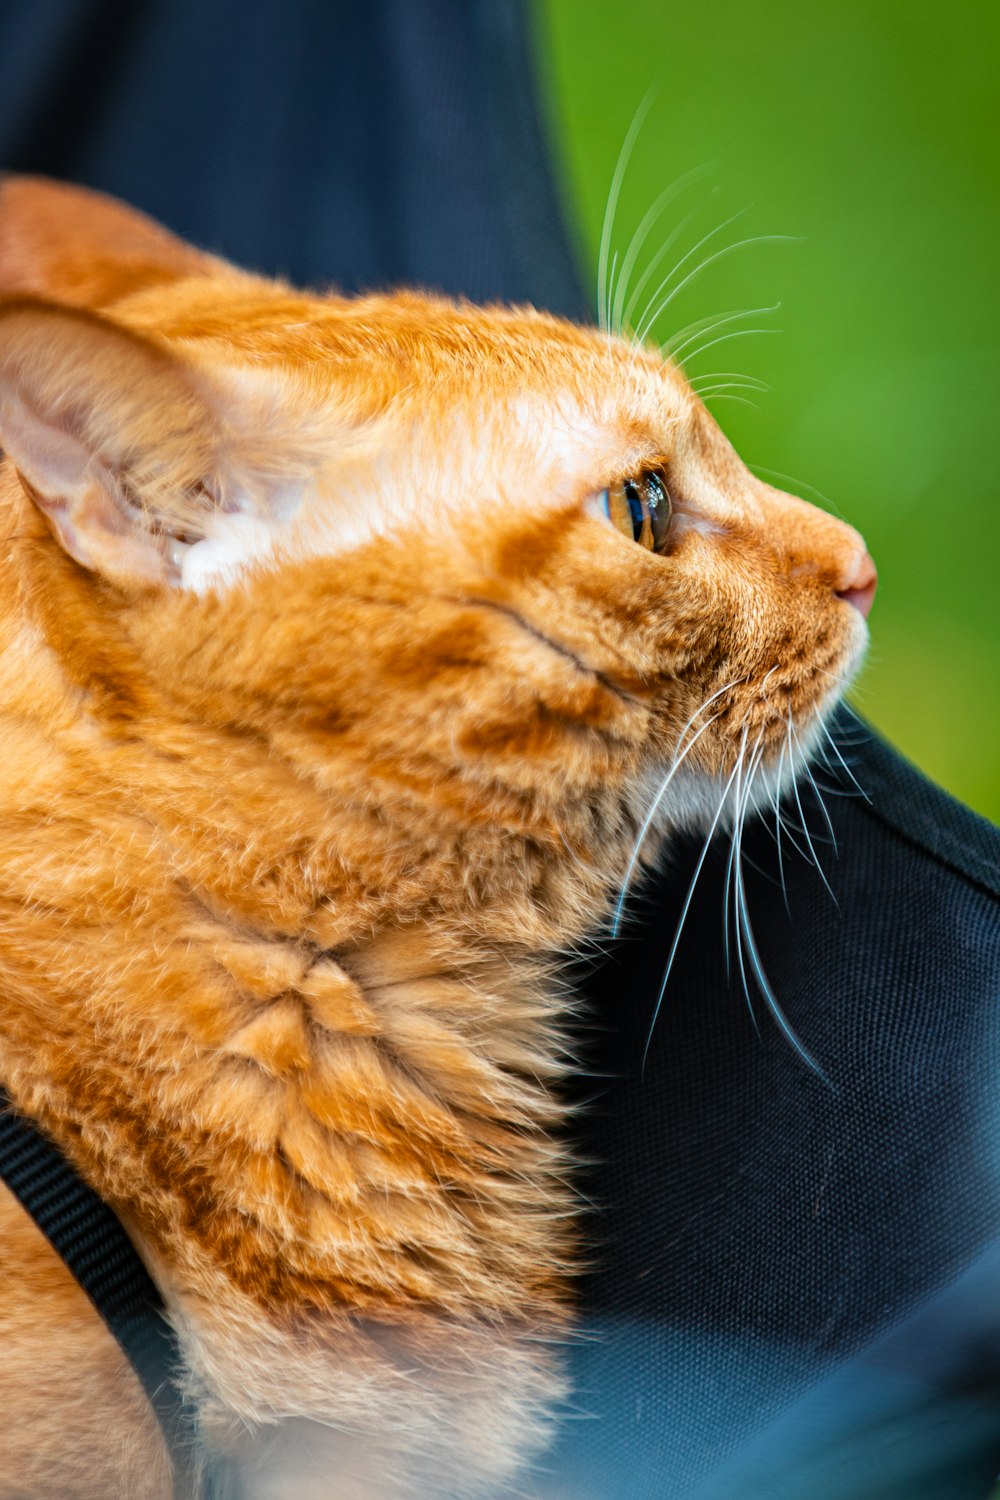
pixel 95 1247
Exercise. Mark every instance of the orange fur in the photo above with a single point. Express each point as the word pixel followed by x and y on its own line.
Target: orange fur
pixel 329 714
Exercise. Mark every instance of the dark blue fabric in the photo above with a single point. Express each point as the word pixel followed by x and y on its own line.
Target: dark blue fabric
pixel 797 1290
pixel 794 1290
pixel 360 145
pixel 101 1256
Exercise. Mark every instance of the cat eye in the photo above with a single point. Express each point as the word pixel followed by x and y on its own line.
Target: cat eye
pixel 638 507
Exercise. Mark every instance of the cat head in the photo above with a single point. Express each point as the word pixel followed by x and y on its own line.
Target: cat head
pixel 502 561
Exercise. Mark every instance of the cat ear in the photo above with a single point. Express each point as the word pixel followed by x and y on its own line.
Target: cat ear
pixel 123 448
pixel 84 248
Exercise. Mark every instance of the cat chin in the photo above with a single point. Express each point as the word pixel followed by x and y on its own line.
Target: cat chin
pixel 704 803
pixel 427 1407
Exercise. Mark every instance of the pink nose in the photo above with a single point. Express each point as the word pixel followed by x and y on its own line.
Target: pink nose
pixel 860 584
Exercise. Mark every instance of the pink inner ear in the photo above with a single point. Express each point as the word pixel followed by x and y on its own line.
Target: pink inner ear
pixel 92 415
pixel 51 458
pixel 77 497
pixel 94 533
pixel 92 529
pixel 122 444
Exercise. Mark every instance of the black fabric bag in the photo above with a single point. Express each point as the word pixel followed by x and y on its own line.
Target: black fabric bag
pixel 795 1282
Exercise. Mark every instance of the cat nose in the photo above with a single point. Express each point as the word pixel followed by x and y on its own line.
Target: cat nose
pixel 859 583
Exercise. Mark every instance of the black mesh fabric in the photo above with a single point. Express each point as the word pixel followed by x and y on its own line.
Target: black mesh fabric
pixel 794 1284
pixel 795 1288
pixel 99 1253
pixel 358 145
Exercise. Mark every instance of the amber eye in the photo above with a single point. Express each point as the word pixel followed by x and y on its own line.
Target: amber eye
pixel 639 508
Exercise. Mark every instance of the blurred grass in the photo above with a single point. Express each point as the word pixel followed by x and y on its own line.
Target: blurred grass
pixel 871 130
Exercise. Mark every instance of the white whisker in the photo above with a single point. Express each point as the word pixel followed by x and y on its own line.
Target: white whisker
pixel 734 333
pixel 747 942
pixel 750 381
pixel 678 757
pixel 684 911
pixel 607 295
pixel 675 766
pixel 777 827
pixel 664 303
pixel 799 484
pixel 835 791
pixel 786 831
pixel 611 208
pixel 802 817
pixel 656 260
pixel 836 750
pixel 675 346
pixel 726 396
pixel 645 321
pixel 736 862
pixel 649 218
pixel 713 388
pixel 764 986
pixel 726 687
pixel 819 797
pixel 732 851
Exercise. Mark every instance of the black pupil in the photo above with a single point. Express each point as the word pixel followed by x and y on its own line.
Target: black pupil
pixel 635 507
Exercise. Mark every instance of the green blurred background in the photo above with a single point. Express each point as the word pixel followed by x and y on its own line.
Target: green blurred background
pixel 870 129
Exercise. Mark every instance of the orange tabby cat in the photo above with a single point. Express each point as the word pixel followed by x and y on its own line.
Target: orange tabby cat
pixel 344 647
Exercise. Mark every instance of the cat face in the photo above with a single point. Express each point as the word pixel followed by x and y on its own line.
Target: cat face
pixel 509 562
pixel 508 444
